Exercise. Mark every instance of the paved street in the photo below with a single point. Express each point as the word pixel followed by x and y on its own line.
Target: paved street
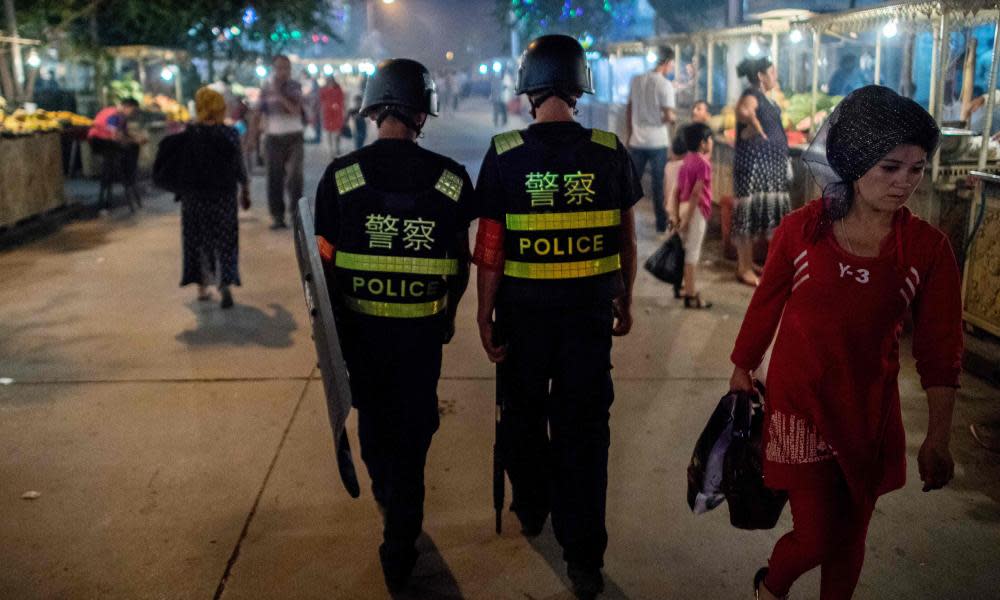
pixel 181 451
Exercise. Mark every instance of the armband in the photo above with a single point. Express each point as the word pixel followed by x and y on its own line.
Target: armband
pixel 326 249
pixel 489 245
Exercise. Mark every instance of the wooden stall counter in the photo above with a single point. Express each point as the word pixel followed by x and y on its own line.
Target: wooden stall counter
pixel 32 176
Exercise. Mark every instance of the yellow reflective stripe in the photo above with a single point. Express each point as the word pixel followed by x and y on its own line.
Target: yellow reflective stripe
pixel 397 264
pixel 566 270
pixel 450 185
pixel 604 138
pixel 507 141
pixel 395 309
pixel 349 178
pixel 573 220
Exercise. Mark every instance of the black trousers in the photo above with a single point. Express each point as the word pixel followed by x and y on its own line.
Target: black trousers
pixel 556 390
pixel 120 160
pixel 394 376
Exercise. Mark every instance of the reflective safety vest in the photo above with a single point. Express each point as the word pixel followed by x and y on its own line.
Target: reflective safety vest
pixel 563 214
pixel 393 254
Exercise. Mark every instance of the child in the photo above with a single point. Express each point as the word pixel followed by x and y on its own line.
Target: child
pixel 677 151
pixel 694 194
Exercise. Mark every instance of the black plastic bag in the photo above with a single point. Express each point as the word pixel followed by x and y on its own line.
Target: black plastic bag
pixel 705 471
pixel 345 132
pixel 667 263
pixel 752 505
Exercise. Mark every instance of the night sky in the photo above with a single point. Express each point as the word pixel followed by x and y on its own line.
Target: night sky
pixel 426 29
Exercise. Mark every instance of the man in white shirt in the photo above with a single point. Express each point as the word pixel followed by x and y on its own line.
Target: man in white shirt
pixel 648 117
pixel 281 105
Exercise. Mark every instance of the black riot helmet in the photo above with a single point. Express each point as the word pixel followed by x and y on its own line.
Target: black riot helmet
pixel 400 83
pixel 557 63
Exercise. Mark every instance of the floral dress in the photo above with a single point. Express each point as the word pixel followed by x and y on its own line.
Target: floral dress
pixel 760 172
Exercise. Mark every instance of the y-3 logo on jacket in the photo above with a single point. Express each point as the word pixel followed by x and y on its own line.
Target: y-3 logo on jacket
pixel 849 272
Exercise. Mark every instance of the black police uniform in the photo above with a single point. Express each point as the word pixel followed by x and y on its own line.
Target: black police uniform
pixel 398 216
pixel 559 191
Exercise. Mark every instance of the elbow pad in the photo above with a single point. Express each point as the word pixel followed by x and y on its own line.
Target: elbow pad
pixel 489 245
pixel 326 250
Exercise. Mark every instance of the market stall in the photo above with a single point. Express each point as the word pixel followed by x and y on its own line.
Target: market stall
pixel 31 155
pixel 924 50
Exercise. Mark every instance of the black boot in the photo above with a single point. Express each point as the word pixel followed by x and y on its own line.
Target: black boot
pixel 587 582
pixel 396 568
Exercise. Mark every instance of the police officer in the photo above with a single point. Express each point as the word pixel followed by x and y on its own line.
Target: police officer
pixel 392 222
pixel 556 253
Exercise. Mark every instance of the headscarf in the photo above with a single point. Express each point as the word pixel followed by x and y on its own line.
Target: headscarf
pixel 866 125
pixel 209 105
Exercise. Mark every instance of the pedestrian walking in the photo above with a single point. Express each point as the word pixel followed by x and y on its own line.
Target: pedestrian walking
pixel 282 111
pixel 760 166
pixel 841 275
pixel 499 95
pixel 331 98
pixel 556 253
pixel 648 117
pixel 392 221
pixel 360 124
pixel 694 205
pixel 208 170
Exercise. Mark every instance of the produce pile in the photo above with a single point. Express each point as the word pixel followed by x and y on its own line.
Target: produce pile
pixel 174 110
pixel 21 123
pixel 798 112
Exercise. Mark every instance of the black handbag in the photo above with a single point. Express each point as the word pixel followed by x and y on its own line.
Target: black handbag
pixel 752 505
pixel 345 131
pixel 727 464
pixel 667 263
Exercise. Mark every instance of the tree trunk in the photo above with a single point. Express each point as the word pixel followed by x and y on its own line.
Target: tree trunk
pixel 15 48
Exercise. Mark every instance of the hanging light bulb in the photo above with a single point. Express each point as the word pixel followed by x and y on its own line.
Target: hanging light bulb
pixel 795 36
pixel 34 60
pixel 890 29
pixel 261 71
pixel 328 69
pixel 651 57
pixel 166 74
pixel 754 48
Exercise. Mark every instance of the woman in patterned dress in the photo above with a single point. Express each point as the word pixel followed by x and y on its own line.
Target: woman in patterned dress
pixel 760 167
pixel 209 225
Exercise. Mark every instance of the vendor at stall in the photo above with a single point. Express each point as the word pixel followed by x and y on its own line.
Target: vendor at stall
pixel 109 136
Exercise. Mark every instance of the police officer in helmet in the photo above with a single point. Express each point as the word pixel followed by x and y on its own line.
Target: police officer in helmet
pixel 392 223
pixel 556 253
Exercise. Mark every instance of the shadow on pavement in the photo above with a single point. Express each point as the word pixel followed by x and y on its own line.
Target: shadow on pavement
pixel 548 547
pixel 241 325
pixel 431 578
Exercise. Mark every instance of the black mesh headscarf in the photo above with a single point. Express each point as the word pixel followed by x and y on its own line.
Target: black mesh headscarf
pixel 866 125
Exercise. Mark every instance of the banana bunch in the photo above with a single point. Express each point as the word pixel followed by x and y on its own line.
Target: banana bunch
pixel 21 123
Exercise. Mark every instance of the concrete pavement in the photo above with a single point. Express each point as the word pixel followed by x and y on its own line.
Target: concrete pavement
pixel 183 452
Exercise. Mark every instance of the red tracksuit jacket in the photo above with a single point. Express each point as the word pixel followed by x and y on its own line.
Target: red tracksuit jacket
pixel 832 390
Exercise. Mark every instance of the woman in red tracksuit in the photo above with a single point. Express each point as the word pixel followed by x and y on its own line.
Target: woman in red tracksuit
pixel 841 274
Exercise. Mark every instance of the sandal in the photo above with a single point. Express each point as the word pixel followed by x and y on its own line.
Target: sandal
pixel 745 281
pixel 758 582
pixel 696 302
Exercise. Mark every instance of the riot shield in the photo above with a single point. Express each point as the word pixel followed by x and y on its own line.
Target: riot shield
pixel 324 327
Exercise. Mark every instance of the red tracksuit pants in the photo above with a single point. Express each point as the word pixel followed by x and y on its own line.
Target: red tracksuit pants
pixel 829 531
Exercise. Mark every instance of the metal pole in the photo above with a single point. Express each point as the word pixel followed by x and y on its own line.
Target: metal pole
pixel 774 52
pixel 709 70
pixel 937 89
pixel 990 101
pixel 935 66
pixel 878 58
pixel 817 37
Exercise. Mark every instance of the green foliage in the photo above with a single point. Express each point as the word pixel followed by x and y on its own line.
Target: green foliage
pixel 123 88
pixel 578 18
pixel 681 16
